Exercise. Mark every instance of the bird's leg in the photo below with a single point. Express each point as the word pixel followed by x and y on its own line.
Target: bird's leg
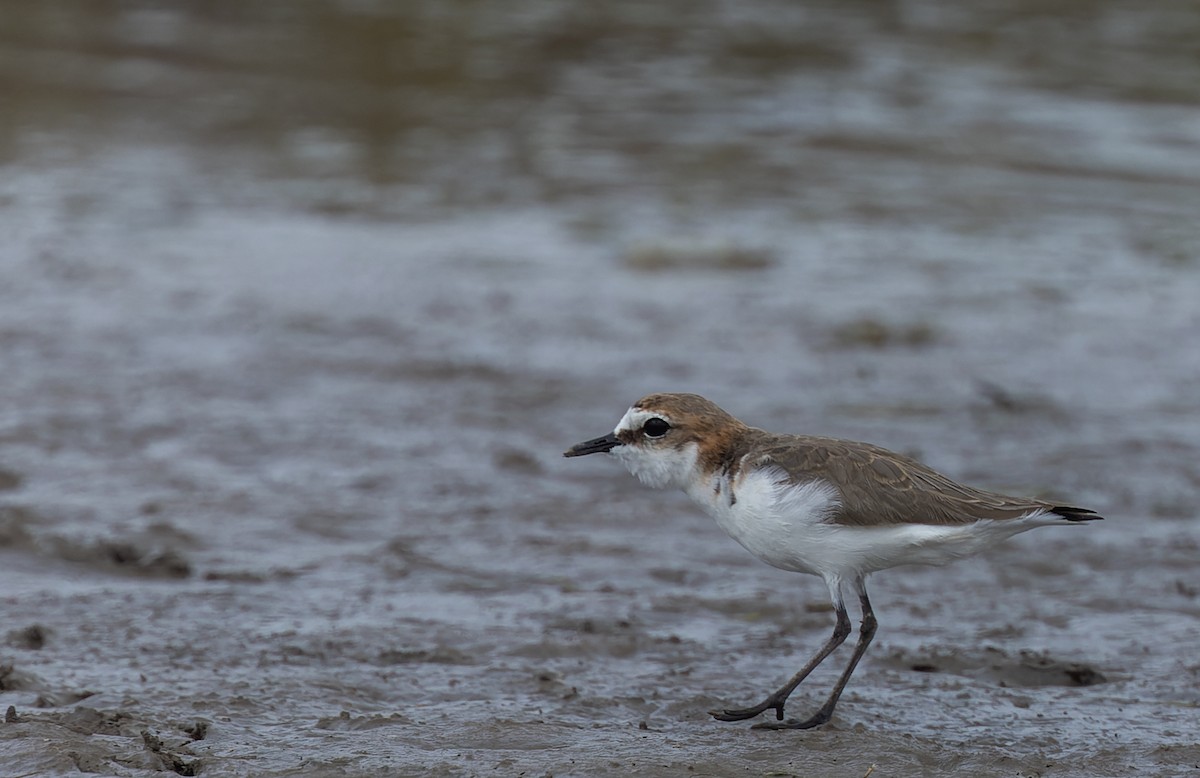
pixel 777 698
pixel 865 633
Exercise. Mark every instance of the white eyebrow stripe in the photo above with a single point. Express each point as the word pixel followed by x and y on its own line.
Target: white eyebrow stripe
pixel 634 418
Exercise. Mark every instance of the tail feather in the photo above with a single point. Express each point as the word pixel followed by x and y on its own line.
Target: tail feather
pixel 1075 514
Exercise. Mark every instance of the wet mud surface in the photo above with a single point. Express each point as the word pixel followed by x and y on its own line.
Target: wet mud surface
pixel 291 353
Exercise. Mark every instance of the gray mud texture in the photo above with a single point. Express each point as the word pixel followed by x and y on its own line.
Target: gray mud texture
pixel 300 304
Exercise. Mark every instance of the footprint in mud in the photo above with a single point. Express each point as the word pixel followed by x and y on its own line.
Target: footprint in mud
pixel 1026 669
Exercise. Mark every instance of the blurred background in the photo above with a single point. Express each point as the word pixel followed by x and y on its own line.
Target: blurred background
pixel 300 302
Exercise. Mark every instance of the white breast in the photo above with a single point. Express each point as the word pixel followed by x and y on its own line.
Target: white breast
pixel 781 523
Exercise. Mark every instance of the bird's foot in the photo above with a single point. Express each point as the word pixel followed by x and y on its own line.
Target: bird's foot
pixel 819 718
pixel 741 714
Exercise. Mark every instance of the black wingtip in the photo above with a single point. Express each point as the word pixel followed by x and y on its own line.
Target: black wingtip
pixel 1076 514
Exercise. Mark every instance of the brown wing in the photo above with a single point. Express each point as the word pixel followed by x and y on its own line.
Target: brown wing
pixel 881 487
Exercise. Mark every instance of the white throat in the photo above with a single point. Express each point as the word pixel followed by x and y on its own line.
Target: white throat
pixel 660 468
pixel 655 466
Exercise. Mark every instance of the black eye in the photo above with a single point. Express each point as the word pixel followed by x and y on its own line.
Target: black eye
pixel 655 428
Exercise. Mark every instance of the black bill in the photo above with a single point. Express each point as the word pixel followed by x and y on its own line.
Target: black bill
pixel 597 446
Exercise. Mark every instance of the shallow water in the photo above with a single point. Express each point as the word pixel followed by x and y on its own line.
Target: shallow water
pixel 300 304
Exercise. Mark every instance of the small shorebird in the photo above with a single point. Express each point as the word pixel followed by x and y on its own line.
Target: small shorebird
pixel 834 508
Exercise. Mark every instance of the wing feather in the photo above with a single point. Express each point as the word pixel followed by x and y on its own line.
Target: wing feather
pixel 878 486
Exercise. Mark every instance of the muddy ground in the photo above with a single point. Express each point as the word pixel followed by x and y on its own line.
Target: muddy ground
pixel 301 303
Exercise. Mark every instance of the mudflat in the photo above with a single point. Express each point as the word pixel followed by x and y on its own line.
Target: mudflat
pixel 293 337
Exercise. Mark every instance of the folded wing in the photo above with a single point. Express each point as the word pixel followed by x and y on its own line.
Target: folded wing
pixel 881 487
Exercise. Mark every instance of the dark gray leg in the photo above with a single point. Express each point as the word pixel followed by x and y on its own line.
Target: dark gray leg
pixel 865 633
pixel 777 698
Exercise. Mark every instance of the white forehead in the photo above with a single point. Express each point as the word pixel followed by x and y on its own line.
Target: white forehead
pixel 634 418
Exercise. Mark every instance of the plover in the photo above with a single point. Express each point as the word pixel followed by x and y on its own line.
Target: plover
pixel 833 508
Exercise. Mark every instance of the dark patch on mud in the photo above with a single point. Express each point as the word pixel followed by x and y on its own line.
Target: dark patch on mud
pixel 236 576
pixel 666 256
pixel 346 722
pixel 123 556
pixel 90 721
pixel 31 638
pixel 12 679
pixel 440 655
pixel 170 757
pixel 149 554
pixel 60 699
pixel 252 576
pixel 9 480
pixel 196 730
pixel 1026 669
pixel 1007 400
pixel 517 461
pixel 14 523
pixel 874 334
